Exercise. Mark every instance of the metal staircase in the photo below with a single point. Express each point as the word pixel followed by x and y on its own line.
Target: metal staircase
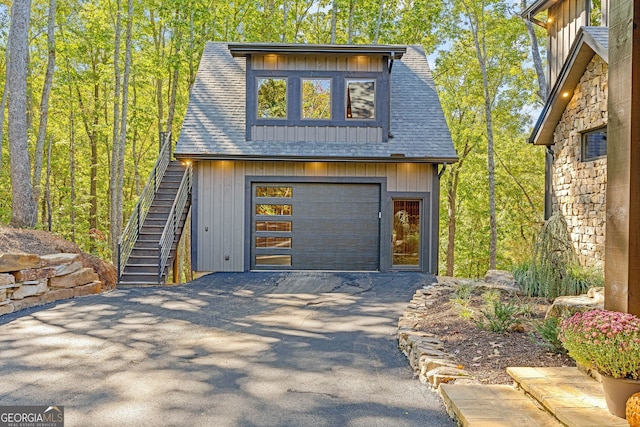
pixel 148 244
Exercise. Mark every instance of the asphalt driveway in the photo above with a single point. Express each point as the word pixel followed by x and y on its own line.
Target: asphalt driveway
pixel 242 349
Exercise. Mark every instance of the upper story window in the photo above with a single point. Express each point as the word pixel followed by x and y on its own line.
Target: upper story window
pixel 317 93
pixel 361 95
pixel 316 98
pixel 594 144
pixel 272 98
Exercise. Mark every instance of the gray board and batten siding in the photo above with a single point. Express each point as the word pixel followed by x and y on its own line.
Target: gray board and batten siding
pixel 223 199
pixel 564 20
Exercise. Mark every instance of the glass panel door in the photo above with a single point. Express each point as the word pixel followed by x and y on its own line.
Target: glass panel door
pixel 406 239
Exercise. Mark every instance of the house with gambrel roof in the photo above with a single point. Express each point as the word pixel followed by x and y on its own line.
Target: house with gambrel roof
pixel 314 157
pixel 573 121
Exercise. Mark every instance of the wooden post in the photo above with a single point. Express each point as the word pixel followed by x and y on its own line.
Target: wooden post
pixel 622 264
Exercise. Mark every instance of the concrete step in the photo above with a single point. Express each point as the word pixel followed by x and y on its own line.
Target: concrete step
pixel 476 405
pixel 539 397
pixel 575 398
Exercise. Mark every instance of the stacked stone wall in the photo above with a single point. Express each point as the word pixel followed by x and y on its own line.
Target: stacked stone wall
pixel 28 280
pixel 580 187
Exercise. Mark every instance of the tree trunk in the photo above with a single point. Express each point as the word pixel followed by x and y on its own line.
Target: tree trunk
pixel 115 207
pixel 535 54
pixel 3 103
pixel 123 121
pixel 352 6
pixel 378 23
pixel 47 188
pixel 452 198
pixel 284 21
pixel 334 21
pixel 23 208
pixel 44 102
pixel 174 83
pixel 72 156
pixel 158 42
pixel 481 54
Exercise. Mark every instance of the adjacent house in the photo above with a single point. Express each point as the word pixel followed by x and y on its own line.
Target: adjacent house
pixel 314 157
pixel 573 122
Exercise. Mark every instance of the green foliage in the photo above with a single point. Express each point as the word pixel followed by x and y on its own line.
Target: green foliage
pixel 462 299
pixel 549 329
pixel 519 167
pixel 500 316
pixel 555 270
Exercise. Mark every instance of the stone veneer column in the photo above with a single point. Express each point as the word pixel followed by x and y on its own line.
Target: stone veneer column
pixel 579 187
pixel 622 266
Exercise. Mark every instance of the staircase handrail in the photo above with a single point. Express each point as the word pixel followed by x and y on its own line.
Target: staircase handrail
pixel 132 230
pixel 173 221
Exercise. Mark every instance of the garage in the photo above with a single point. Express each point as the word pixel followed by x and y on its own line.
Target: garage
pixel 315 226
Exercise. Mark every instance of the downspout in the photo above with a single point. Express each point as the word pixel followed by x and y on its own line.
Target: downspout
pixel 390 67
pixel 548 182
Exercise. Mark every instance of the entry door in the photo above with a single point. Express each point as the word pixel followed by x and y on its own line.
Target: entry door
pixel 315 226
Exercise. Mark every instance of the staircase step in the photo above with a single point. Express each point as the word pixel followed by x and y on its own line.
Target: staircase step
pixel 134 284
pixel 142 260
pixel 141 268
pixel 575 398
pixel 476 405
pixel 140 277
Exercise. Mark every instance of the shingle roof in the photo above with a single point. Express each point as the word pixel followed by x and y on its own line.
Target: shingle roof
pixel 589 41
pixel 214 124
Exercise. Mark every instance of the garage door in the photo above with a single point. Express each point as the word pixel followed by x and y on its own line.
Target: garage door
pixel 303 226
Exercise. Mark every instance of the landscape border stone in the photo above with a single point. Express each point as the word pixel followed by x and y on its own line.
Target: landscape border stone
pixel 29 280
pixel 430 363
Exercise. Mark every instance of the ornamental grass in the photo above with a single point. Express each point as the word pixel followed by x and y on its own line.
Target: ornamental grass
pixel 607 341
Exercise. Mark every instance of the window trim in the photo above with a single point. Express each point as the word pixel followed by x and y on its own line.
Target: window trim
pixel 583 144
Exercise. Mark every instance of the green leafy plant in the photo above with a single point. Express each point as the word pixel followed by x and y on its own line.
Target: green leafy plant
pixel 607 341
pixel 500 316
pixel 462 298
pixel 549 330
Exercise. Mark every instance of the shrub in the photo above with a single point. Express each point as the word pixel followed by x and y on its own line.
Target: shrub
pixel 607 341
pixel 500 316
pixel 549 330
pixel 554 269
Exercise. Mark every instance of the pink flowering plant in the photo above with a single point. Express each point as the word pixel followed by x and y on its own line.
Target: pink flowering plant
pixel 607 341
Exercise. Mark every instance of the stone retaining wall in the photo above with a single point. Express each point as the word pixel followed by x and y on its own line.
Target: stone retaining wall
pixel 580 187
pixel 28 280
pixel 425 352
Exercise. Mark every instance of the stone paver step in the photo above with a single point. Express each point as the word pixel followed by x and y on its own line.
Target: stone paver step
pixel 575 398
pixel 476 405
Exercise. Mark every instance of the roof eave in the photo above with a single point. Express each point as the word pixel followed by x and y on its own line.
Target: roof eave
pixel 537 7
pixel 244 49
pixel 582 51
pixel 302 158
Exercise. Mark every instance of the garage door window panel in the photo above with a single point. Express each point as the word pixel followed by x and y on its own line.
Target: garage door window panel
pixel 273 260
pixel 274 226
pixel 273 209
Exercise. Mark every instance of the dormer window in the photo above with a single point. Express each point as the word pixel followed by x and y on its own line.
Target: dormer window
pixel 272 98
pixel 361 95
pixel 329 93
pixel 316 99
